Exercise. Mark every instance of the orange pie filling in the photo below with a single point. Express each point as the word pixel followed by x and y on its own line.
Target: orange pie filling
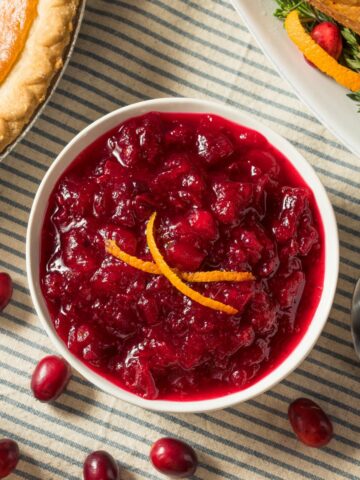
pixel 16 19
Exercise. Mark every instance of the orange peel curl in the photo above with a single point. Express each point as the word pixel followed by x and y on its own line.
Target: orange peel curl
pixel 175 280
pixel 148 267
pixel 193 277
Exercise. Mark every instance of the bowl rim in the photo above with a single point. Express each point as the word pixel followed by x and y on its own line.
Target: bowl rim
pixel 185 105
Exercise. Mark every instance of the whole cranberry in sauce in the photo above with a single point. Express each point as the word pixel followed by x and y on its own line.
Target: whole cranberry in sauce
pixel 9 457
pixel 310 423
pixel 174 458
pixel 100 465
pixel 6 289
pixel 50 378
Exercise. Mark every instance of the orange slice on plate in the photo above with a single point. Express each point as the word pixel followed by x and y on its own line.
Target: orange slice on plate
pixel 317 55
pixel 16 18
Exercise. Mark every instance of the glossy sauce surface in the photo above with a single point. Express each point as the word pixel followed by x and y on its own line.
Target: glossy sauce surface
pixel 226 200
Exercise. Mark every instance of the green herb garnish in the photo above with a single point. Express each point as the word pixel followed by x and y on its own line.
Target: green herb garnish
pixel 351 48
pixel 356 97
pixel 308 14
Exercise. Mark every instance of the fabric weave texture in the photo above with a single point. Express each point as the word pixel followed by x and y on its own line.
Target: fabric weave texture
pixel 131 50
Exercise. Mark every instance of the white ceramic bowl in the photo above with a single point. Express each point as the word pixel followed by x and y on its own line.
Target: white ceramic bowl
pixel 101 126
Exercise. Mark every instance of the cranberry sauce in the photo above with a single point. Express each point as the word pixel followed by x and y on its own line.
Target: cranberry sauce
pixel 225 200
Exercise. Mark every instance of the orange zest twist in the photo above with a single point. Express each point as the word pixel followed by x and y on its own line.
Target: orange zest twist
pixel 318 56
pixel 217 276
pixel 149 267
pixel 175 280
pixel 115 251
pixel 16 18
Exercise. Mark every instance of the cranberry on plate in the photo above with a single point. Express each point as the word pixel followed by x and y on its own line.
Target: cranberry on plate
pixel 225 200
pixel 100 465
pixel 174 458
pixel 310 423
pixel 6 289
pixel 50 378
pixel 9 457
pixel 328 36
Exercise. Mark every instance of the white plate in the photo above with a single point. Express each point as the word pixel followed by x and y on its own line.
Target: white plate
pixel 326 99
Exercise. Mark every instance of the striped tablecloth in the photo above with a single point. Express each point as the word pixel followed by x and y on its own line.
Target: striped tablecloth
pixel 139 49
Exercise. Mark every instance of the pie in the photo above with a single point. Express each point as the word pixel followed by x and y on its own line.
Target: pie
pixel 33 37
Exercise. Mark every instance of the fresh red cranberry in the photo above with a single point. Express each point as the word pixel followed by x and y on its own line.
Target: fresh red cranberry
pixel 100 465
pixel 173 458
pixel 328 36
pixel 50 378
pixel 6 289
pixel 9 456
pixel 310 423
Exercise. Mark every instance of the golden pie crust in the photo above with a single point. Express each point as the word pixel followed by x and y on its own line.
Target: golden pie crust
pixel 26 85
pixel 346 12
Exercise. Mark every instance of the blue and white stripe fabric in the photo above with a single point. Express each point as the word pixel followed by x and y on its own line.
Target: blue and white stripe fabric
pixel 130 50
